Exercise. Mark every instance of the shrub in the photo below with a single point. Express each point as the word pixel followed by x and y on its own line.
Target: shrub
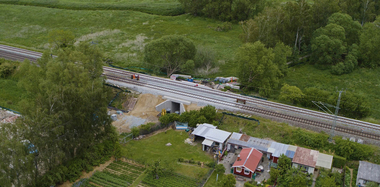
pixel 135 132
pixel 211 164
pixel 180 159
pixel 338 161
pixel 6 69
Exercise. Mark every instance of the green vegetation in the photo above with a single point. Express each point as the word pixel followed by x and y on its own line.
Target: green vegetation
pixel 170 180
pixel 118 173
pixel 155 148
pixel 120 34
pixel 162 7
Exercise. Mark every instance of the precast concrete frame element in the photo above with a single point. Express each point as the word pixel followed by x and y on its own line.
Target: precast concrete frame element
pixel 171 102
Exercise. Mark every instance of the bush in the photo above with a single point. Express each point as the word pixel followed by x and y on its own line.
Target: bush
pixel 180 159
pixel 338 161
pixel 6 69
pixel 211 164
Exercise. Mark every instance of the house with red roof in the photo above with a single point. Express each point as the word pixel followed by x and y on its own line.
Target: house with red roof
pixel 247 162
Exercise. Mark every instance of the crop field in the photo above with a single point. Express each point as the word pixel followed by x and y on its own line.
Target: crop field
pixel 172 180
pixel 117 174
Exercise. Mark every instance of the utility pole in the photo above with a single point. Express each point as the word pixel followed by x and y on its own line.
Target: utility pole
pixel 336 115
pixel 324 108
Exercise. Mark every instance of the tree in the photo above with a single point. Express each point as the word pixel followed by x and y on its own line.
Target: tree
pixel 188 67
pixel 361 10
pixel 228 181
pixel 169 52
pixel 329 50
pixel 281 53
pixel 65 108
pixel 322 10
pixel 291 94
pixel 204 58
pixel 257 70
pixel 208 112
pixel 61 39
pixel 274 174
pixel 284 164
pixel 369 44
pixel 17 165
pixel 294 177
pixel 352 28
pixel 220 169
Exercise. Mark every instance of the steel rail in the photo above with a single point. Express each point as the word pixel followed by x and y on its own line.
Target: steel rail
pixel 316 114
pixel 249 109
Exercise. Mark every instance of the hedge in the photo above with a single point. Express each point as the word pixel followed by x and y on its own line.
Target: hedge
pixel 338 161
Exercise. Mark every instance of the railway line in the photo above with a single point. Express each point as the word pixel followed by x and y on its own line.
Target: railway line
pixel 255 106
pixel 213 96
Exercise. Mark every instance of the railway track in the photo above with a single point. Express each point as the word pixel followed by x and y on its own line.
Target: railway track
pixel 253 110
pixel 254 105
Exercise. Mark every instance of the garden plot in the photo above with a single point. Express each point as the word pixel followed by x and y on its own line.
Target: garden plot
pixel 170 180
pixel 117 174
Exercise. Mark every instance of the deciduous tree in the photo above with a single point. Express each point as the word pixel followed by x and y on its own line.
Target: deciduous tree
pixel 370 44
pixel 61 38
pixel 228 181
pixel 291 94
pixel 169 52
pixel 257 70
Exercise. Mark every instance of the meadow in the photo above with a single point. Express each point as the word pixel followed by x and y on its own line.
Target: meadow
pixel 159 7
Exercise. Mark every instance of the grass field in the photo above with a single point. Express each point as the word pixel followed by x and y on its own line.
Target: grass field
pixel 120 34
pixel 158 7
pixel 154 148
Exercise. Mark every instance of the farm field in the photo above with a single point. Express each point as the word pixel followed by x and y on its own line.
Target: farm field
pixel 154 148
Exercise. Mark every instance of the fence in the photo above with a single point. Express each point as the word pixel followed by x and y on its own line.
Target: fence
pixel 1 107
pixel 128 137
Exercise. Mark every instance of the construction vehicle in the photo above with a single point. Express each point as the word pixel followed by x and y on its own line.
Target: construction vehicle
pixel 134 76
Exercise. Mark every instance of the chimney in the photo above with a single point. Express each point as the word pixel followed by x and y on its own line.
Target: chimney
pixel 238 159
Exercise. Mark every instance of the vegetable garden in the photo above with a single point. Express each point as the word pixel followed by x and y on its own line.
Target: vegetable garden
pixel 170 180
pixel 117 174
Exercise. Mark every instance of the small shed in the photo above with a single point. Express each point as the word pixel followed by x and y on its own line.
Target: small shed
pixel 211 135
pixel 244 141
pixel 305 159
pixel 277 150
pixel 247 162
pixel 367 172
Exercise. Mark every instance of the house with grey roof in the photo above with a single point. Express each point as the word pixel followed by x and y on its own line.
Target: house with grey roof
pixel 368 172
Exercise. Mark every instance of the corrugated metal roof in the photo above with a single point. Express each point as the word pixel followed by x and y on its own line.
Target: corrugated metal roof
pixel 259 144
pixel 202 129
pixel 207 142
pixel 324 161
pixel 306 157
pixel 368 171
pixel 292 148
pixel 279 149
pixel 210 132
pixel 290 154
pixel 235 136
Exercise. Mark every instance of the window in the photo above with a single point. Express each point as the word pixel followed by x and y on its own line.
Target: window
pixel 238 169
pixel 246 171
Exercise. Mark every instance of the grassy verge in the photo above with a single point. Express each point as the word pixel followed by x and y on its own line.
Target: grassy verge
pixel 154 148
pixel 212 181
pixel 166 7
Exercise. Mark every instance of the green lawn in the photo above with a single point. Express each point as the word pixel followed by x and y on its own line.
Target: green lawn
pixel 362 81
pixel 154 148
pixel 120 34
pixel 10 94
